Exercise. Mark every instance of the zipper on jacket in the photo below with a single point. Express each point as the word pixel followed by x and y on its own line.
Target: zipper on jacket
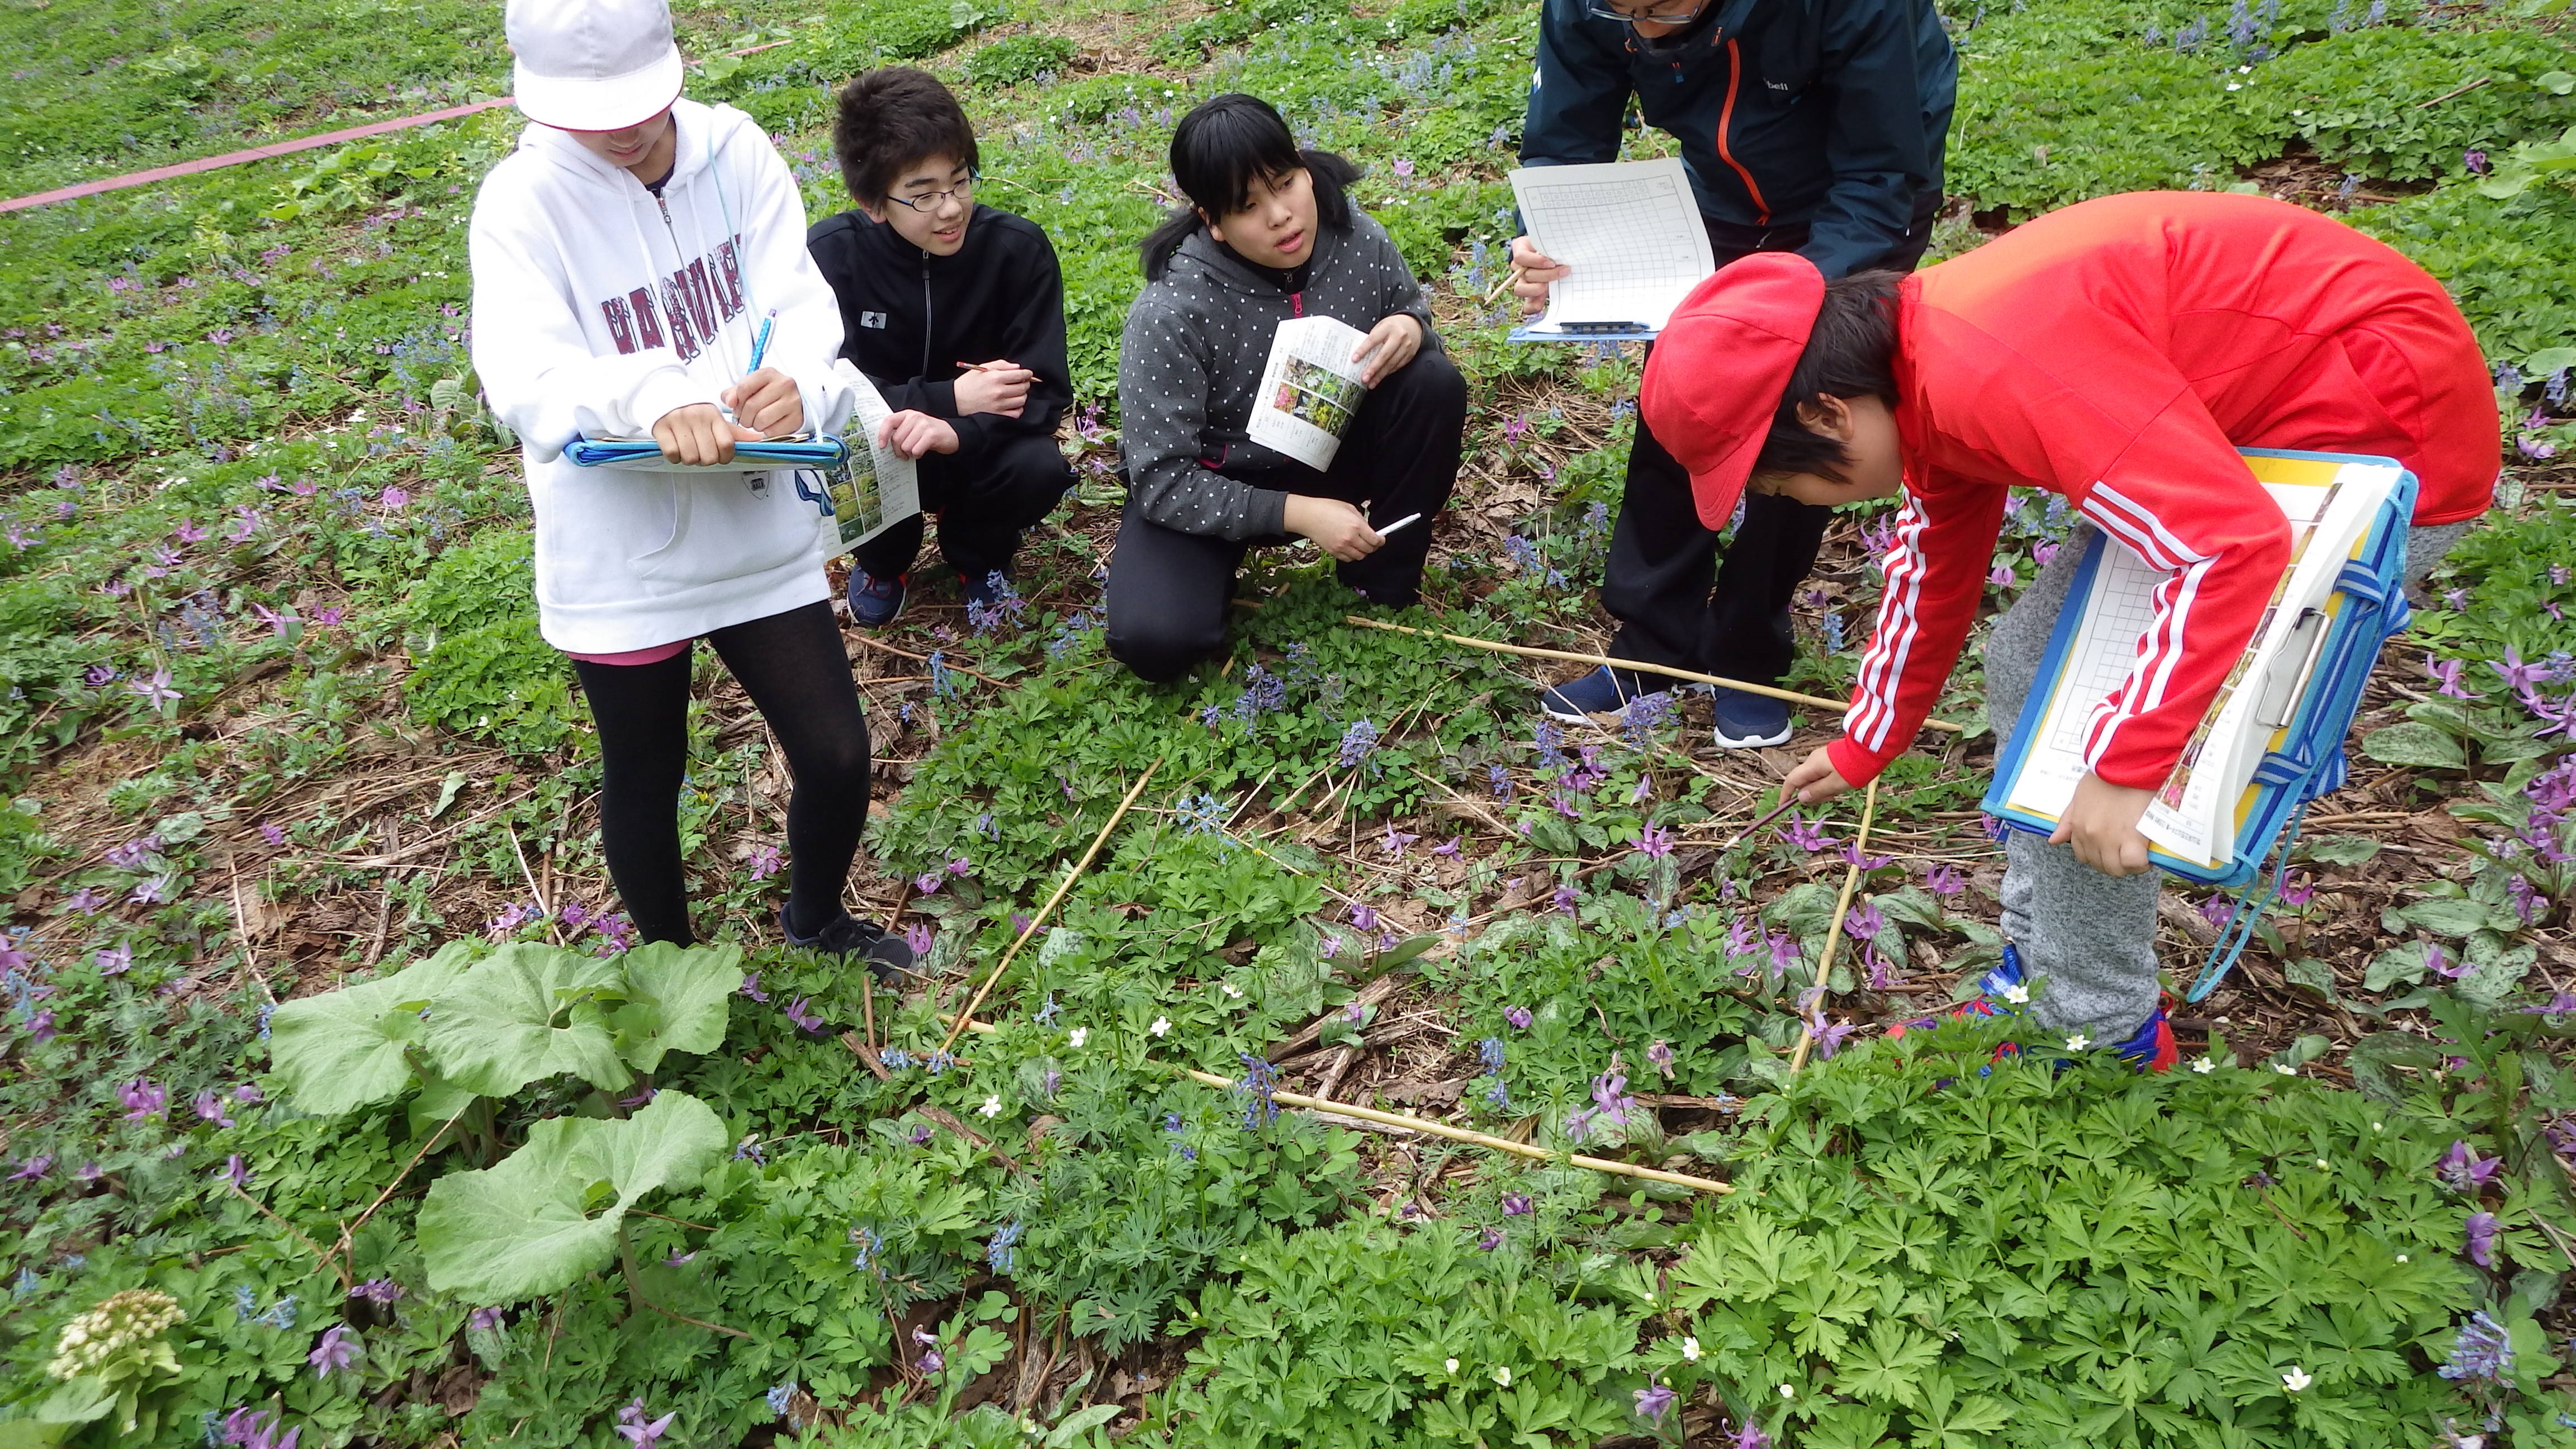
pixel 1296 304
pixel 1725 120
pixel 925 315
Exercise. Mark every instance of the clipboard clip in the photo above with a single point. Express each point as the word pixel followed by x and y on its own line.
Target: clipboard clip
pixel 2281 692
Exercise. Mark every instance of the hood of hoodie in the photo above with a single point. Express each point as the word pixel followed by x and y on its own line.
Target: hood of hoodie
pixel 1217 263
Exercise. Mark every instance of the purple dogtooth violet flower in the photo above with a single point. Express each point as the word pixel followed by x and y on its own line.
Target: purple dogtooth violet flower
pixel 2463 1170
pixel 2478 1238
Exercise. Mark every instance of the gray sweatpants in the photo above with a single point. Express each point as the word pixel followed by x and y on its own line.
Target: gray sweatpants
pixel 2093 936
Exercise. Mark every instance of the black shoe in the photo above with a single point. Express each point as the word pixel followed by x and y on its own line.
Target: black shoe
pixel 885 956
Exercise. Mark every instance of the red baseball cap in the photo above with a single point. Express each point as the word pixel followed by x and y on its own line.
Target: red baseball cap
pixel 1714 379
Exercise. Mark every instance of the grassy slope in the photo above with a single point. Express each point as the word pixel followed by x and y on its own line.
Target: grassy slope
pixel 425 768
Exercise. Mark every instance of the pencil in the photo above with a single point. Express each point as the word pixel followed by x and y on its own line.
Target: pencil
pixel 1399 523
pixel 760 343
pixel 988 366
pixel 1505 285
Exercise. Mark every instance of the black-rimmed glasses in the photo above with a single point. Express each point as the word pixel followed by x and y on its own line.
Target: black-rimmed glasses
pixel 963 191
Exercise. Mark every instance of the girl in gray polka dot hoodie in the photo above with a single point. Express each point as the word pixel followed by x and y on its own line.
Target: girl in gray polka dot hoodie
pixel 1270 234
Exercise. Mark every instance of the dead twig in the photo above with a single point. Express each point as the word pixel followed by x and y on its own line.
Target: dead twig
pixel 1570 656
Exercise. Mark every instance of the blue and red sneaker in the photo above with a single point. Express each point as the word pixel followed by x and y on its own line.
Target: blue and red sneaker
pixel 2002 991
pixel 2151 1047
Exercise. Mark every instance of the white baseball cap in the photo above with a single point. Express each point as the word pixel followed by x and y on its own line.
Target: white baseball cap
pixel 592 65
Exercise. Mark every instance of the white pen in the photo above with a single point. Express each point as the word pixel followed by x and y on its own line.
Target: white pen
pixel 1399 523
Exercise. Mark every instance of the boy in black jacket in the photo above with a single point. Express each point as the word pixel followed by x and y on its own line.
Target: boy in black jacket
pixel 956 312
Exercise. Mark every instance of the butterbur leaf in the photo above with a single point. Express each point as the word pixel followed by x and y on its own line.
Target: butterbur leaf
pixel 347 1049
pixel 677 998
pixel 524 1012
pixel 439 1103
pixel 549 1212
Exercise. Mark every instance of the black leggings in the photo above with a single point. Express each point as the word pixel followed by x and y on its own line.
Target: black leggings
pixel 793 667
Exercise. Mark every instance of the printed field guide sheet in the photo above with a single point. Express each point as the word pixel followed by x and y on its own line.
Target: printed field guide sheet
pixel 1631 233
pixel 874 490
pixel 1309 390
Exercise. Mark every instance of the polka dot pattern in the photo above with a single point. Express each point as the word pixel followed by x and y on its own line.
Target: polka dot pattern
pixel 1191 359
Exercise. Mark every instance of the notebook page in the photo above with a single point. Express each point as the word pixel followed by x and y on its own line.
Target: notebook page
pixel 1629 230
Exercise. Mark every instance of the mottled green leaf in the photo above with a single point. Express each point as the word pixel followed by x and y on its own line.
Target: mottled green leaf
pixel 2413 743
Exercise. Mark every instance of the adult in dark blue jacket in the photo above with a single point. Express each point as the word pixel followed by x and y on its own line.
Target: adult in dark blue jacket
pixel 1813 126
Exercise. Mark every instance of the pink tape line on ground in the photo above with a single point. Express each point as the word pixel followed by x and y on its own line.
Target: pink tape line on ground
pixel 235 158
pixel 279 148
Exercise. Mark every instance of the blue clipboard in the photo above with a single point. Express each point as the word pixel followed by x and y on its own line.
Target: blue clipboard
pixel 2366 608
pixel 1588 332
pixel 645 455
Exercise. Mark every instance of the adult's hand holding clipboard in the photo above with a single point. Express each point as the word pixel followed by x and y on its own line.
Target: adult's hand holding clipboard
pixel 1631 240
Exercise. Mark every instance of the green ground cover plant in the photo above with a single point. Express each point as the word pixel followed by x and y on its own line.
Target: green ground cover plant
pixel 287 768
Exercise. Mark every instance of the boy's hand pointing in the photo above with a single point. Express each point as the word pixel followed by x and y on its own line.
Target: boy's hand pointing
pixel 1815 780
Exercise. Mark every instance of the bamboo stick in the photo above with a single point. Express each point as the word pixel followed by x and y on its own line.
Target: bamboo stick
pixel 968 1013
pixel 1639 665
pixel 1480 1139
pixel 1438 1129
pixel 1834 932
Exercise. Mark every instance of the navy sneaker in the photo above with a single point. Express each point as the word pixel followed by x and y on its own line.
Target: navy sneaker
pixel 874 601
pixel 1603 691
pixel 1749 721
pixel 985 589
pixel 846 936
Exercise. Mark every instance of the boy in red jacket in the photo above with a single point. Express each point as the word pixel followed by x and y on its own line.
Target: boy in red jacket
pixel 2117 353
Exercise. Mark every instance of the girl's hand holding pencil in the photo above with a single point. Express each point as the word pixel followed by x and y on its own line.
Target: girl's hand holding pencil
pixel 1000 387
pixel 767 403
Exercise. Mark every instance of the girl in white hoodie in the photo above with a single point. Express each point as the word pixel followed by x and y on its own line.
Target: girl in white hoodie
pixel 628 259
